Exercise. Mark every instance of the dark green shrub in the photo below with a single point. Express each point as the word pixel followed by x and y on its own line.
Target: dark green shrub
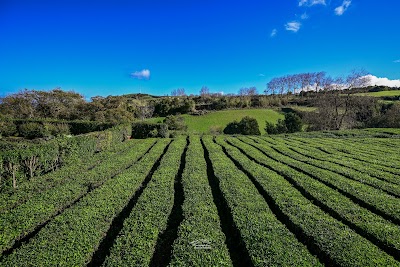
pixel 249 126
pixel 293 122
pixel 232 128
pixel 391 118
pixel 246 126
pixel 57 129
pixel 281 127
pixel 7 128
pixel 33 130
pixel 141 130
pixel 270 128
pixel 82 127
pixel 163 131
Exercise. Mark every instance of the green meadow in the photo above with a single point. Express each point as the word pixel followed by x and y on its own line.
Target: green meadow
pixel 382 93
pixel 219 119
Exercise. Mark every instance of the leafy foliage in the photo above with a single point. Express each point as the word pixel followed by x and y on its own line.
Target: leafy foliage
pixel 143 130
pixel 27 160
pixel 292 123
pixel 31 130
pixel 246 126
pixel 175 123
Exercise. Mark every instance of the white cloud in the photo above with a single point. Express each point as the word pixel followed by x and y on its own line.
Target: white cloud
pixel 383 81
pixel 311 2
pixel 397 61
pixel 293 26
pixel 341 9
pixel 304 16
pixel 141 75
pixel 261 75
pixel 274 32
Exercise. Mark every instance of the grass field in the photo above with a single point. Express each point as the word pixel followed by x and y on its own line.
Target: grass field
pixel 381 94
pixel 305 109
pixel 317 200
pixel 203 124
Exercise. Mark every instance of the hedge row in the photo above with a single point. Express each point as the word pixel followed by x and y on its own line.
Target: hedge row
pixel 313 153
pixel 40 184
pixel 201 221
pixel 268 241
pixel 391 158
pixel 346 172
pixel 23 219
pixel 379 144
pixel 375 199
pixel 383 232
pixel 391 161
pixel 357 157
pixel 338 244
pixel 38 128
pixel 143 130
pixel 72 237
pixel 136 242
pixel 24 161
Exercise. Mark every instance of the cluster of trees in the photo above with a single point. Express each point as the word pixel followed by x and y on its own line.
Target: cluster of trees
pixel 63 105
pixel 291 124
pixel 173 106
pixel 29 104
pixel 178 92
pixel 316 82
pixel 337 106
pixel 335 112
pixel 246 126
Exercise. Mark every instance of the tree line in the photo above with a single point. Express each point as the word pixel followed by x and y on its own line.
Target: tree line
pixel 336 105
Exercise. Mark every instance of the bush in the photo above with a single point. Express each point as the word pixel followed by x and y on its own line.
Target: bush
pixel 82 127
pixel 7 128
pixel 291 124
pixel 271 128
pixel 175 123
pixel 33 130
pixel 57 129
pixel 390 119
pixel 142 130
pixel 232 128
pixel 247 126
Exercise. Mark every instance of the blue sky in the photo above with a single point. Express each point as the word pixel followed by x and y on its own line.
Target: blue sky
pixel 94 47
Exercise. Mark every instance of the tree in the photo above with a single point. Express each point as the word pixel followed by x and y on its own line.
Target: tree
pixel 204 91
pixel 251 91
pixel 144 111
pixel 337 108
pixel 249 126
pixel 7 128
pixel 293 122
pixel 246 126
pixel 232 128
pixel 19 105
pixel 272 86
pixel 178 92
pixel 56 104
